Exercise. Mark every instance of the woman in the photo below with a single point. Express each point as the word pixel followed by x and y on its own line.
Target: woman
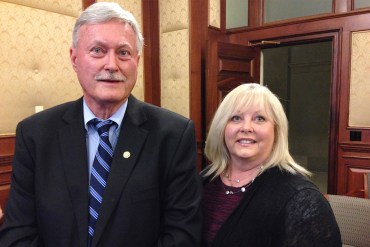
pixel 255 194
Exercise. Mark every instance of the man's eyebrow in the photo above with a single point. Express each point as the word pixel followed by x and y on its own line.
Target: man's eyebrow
pixel 119 46
pixel 125 45
pixel 97 43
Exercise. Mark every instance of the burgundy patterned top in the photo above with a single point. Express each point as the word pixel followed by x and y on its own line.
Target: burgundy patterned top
pixel 217 206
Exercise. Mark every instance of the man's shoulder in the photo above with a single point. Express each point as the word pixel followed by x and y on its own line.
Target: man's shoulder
pixel 154 112
pixel 54 113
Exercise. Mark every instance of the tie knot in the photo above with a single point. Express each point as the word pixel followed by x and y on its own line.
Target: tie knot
pixel 102 126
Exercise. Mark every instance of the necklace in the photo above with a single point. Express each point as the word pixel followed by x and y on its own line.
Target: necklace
pixel 242 188
pixel 227 176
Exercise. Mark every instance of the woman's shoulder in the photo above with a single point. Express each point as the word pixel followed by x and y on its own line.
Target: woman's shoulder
pixel 284 184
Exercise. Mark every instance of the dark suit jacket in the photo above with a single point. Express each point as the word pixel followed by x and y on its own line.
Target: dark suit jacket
pixel 152 198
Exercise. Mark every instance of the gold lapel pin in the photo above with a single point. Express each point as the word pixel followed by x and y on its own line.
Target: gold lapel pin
pixel 126 154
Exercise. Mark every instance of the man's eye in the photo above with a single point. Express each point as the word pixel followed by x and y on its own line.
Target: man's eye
pixel 124 53
pixel 96 50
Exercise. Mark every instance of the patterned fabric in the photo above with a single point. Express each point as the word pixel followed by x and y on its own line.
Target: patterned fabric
pixel 353 217
pixel 99 172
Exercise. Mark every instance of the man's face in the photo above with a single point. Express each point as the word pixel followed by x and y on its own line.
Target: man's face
pixel 106 61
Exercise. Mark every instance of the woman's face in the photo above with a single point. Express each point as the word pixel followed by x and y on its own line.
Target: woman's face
pixel 249 137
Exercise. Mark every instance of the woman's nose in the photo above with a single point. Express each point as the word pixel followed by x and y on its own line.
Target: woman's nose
pixel 246 126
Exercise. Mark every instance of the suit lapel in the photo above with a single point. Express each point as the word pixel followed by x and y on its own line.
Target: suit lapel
pixel 74 156
pixel 130 142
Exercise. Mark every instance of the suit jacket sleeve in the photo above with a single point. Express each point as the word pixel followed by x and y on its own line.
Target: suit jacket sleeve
pixel 182 212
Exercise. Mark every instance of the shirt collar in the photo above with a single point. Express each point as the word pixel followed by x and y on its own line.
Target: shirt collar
pixel 117 117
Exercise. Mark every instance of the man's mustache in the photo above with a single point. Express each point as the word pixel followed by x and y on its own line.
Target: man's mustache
pixel 110 77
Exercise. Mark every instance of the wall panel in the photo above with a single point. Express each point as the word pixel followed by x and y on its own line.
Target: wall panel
pixel 34 60
pixel 174 55
pixel 359 102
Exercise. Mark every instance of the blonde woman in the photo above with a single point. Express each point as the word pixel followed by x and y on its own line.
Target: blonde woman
pixel 255 194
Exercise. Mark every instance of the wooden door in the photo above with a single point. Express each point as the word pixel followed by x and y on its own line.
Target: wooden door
pixel 228 65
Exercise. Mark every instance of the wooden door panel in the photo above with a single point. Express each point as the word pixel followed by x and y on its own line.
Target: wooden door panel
pixel 239 61
pixel 7 145
pixel 356 182
pixel 353 164
pixel 228 65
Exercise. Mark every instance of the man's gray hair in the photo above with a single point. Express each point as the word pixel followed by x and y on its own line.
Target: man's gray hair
pixel 105 11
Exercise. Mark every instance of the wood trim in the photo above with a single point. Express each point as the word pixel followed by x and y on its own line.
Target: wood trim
pixel 353 160
pixel 301 21
pixel 5 160
pixel 5 171
pixel 152 74
pixel 223 15
pixel 198 24
pixel 212 94
pixel 7 146
pixel 355 147
pixel 343 6
pixel 87 3
pixel 255 13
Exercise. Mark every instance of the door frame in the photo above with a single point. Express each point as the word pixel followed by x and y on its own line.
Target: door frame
pixel 335 88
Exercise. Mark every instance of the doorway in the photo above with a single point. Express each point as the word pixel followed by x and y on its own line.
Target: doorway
pixel 300 75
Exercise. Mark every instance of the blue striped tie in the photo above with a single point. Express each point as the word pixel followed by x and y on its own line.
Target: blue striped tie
pixel 99 172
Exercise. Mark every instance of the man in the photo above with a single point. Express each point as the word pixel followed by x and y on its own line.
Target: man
pixel 148 194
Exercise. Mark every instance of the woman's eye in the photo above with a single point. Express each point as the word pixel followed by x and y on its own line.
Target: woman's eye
pixel 235 118
pixel 260 119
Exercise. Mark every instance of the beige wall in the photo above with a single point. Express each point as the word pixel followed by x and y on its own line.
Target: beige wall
pixel 214 13
pixel 35 69
pixel 34 57
pixel 174 55
pixel 359 102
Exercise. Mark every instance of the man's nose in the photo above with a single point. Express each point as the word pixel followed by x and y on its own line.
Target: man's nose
pixel 111 61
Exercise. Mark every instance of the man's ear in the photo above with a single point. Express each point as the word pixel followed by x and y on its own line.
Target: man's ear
pixel 73 57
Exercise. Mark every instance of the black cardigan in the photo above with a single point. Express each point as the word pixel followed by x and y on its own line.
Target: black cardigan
pixel 280 209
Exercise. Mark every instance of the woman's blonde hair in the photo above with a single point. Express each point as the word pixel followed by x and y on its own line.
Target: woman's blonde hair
pixel 240 98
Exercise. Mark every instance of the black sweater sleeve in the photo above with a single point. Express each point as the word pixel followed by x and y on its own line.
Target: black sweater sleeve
pixel 309 222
